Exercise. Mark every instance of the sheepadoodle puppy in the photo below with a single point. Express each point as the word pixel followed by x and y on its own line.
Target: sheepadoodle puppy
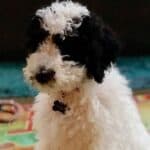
pixel 84 102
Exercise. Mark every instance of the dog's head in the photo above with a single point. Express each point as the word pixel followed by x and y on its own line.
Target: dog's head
pixel 70 44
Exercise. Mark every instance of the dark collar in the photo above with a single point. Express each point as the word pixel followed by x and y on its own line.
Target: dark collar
pixel 60 106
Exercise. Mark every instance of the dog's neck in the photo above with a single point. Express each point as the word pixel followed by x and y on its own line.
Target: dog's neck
pixel 76 93
pixel 63 94
pixel 64 101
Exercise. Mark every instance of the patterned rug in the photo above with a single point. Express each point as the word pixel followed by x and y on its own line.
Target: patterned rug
pixel 16 122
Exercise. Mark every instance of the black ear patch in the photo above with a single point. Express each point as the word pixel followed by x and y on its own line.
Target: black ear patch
pixel 36 34
pixel 102 47
pixel 95 46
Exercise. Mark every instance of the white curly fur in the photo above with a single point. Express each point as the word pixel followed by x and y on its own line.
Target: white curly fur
pixel 58 17
pixel 101 116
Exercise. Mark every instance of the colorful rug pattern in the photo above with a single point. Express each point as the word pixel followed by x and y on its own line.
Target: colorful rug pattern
pixel 16 122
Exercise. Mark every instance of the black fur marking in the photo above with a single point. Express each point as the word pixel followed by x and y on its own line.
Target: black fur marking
pixel 60 106
pixel 95 46
pixel 36 34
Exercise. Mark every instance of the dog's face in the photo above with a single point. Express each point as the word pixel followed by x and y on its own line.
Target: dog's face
pixel 70 45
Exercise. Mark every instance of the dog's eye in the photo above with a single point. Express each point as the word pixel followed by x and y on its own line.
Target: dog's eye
pixel 76 20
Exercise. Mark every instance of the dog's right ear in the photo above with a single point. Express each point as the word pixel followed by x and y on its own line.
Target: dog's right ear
pixel 35 33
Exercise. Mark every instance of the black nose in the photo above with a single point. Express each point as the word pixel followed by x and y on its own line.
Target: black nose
pixel 45 75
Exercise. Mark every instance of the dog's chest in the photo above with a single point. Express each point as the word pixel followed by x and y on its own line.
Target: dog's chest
pixel 74 127
pixel 72 114
pixel 68 122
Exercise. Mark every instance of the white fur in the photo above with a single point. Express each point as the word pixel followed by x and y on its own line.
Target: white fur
pixel 58 17
pixel 102 117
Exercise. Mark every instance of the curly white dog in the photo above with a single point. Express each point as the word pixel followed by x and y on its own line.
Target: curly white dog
pixel 84 102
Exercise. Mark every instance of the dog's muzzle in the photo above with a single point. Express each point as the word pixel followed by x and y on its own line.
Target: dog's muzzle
pixel 44 76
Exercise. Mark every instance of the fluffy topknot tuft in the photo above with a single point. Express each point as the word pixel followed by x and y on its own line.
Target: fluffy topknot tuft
pixel 60 17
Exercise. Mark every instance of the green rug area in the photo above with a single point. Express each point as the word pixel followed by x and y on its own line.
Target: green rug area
pixel 22 139
pixel 136 69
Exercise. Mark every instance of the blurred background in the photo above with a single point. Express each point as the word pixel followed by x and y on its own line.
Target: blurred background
pixel 129 19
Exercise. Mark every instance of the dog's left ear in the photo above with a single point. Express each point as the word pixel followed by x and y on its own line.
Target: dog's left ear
pixel 102 49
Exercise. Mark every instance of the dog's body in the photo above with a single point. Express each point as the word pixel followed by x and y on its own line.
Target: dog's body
pixel 101 117
pixel 85 103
